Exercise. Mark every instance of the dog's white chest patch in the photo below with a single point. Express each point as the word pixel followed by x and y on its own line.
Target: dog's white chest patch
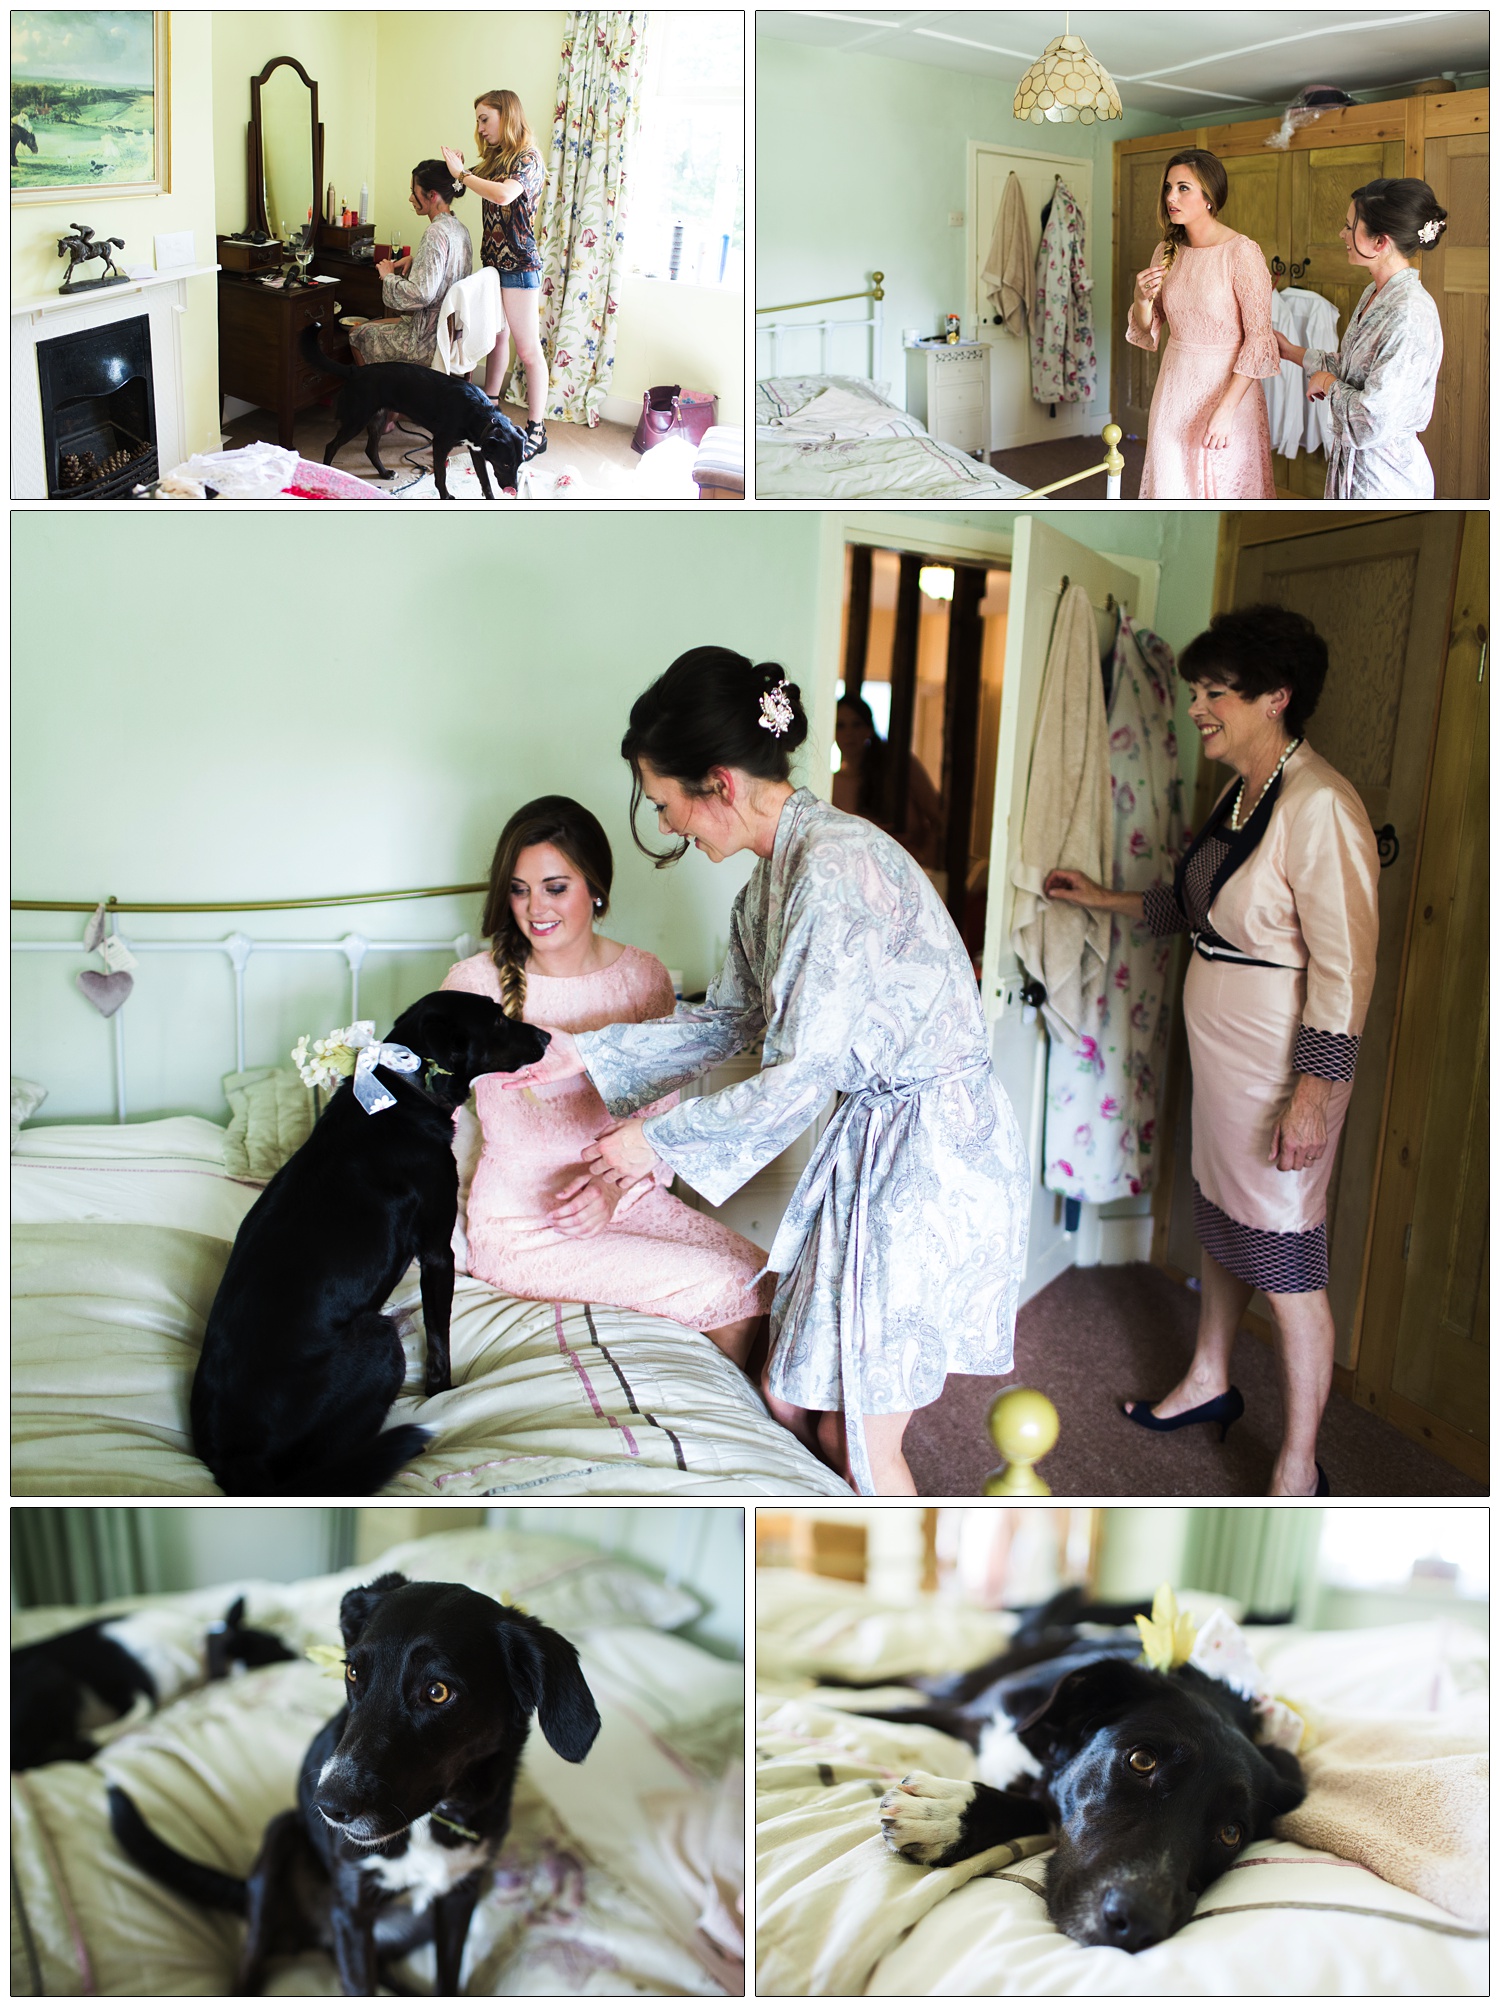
pixel 1002 1756
pixel 426 1870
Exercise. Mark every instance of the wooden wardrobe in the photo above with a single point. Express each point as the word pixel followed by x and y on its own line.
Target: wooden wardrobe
pixel 1293 204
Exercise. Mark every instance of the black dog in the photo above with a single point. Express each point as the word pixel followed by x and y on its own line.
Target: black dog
pixel 404 1798
pixel 299 1367
pixel 451 408
pixel 1151 1783
pixel 64 1685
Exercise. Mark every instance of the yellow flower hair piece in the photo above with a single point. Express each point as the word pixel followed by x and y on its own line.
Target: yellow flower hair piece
pixel 328 1659
pixel 1168 1634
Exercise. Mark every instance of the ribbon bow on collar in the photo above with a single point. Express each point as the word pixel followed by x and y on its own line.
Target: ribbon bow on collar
pixel 369 1054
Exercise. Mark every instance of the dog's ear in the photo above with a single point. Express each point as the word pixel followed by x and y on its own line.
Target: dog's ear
pixel 545 1674
pixel 1280 1787
pixel 1082 1700
pixel 354 1611
pixel 234 1616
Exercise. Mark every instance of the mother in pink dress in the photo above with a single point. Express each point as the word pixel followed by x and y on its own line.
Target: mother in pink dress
pixel 1209 436
pixel 539 1225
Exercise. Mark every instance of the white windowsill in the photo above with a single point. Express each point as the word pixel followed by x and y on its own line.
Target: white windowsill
pixel 683 285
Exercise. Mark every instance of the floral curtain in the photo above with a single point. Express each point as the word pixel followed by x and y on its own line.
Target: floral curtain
pixel 581 229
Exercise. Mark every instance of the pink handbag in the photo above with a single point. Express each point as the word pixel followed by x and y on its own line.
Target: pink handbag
pixel 668 408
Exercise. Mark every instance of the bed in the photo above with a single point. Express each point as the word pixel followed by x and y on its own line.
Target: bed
pixel 839 437
pixel 622 1875
pixel 1379 1912
pixel 121 1231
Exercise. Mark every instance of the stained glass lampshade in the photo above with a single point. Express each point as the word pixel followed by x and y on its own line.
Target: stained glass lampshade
pixel 1067 86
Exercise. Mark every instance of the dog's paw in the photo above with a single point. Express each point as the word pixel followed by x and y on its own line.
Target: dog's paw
pixel 922 1820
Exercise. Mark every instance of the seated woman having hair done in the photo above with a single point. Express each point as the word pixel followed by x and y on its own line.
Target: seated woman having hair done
pixel 1280 892
pixel 417 286
pixel 539 1225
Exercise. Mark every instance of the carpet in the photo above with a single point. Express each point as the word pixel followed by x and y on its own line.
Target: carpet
pixel 1099 1336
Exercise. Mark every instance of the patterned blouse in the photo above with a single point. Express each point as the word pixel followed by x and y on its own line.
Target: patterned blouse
pixel 509 243
pixel 1387 369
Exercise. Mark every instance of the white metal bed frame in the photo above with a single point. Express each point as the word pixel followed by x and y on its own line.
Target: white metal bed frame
pixel 1112 466
pixel 239 948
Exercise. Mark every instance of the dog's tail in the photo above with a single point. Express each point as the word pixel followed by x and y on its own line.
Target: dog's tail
pixel 312 352
pixel 362 1470
pixel 187 1878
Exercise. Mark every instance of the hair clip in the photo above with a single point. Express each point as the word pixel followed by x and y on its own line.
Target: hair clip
pixel 1429 231
pixel 775 709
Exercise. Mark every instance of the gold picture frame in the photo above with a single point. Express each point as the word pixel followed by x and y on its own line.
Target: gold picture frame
pixel 103 136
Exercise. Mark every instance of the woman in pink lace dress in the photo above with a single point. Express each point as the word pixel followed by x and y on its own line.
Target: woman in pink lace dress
pixel 539 1225
pixel 1209 436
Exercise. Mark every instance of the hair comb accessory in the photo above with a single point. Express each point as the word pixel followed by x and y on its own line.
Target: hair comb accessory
pixel 1428 234
pixel 775 709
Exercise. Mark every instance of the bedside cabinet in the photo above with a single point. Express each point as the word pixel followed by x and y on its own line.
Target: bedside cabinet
pixel 948 389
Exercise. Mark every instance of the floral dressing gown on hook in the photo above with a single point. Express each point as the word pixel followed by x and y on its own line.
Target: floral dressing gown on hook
pixel 901 1253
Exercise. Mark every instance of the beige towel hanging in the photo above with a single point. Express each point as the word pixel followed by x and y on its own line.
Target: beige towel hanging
pixel 1007 270
pixel 1066 823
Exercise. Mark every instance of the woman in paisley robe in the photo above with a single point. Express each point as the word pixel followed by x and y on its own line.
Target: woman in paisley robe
pixel 416 286
pixel 900 1256
pixel 1381 385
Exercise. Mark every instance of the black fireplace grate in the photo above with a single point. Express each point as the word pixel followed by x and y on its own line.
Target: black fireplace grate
pixel 98 410
pixel 91 469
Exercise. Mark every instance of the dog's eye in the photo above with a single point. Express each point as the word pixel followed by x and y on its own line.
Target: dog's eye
pixel 350 1674
pixel 1142 1760
pixel 437 1693
pixel 1231 1834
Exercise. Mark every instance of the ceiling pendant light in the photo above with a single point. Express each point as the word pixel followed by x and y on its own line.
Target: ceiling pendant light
pixel 1067 86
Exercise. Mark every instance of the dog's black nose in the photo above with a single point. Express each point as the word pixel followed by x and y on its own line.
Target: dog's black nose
pixel 1132 1921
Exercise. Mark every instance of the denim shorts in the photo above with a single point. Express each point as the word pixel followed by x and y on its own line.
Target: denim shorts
pixel 530 280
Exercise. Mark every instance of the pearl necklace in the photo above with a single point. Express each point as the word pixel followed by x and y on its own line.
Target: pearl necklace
pixel 1236 823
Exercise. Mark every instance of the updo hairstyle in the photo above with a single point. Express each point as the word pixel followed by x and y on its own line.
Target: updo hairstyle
pixel 433 178
pixel 1256 649
pixel 1400 210
pixel 705 712
pixel 569 827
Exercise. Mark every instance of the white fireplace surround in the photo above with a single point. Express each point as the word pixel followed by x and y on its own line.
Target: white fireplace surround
pixel 163 298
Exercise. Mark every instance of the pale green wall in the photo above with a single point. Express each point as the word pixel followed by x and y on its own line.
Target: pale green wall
pixel 338 53
pixel 301 703
pixel 860 159
pixel 34 265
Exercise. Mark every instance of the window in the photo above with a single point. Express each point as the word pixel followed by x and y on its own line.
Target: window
pixel 686 220
pixel 1378 1548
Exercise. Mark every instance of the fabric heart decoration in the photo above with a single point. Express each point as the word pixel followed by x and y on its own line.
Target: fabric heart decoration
pixel 105 992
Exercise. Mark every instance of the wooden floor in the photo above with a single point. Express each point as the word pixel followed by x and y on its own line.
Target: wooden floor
pixel 1035 466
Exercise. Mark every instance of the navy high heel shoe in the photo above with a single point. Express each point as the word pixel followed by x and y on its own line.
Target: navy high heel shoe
pixel 1322 1490
pixel 1225 1409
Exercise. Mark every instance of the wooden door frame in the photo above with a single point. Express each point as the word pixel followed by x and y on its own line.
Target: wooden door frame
pixel 1240 531
pixel 1410 121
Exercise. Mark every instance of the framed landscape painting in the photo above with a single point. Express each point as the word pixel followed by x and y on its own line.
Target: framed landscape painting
pixel 88 104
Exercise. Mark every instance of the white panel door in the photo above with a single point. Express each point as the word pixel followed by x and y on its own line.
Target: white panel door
pixel 1041 559
pixel 1014 419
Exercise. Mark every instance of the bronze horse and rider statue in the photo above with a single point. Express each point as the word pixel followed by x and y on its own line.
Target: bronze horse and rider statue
pixel 82 248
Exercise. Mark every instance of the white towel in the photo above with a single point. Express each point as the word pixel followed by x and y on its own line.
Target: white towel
pixel 1067 823
pixel 1007 269
pixel 469 322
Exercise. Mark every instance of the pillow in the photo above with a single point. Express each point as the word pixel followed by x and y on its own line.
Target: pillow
pixel 166 1173
pixel 778 396
pixel 271 1115
pixel 26 1096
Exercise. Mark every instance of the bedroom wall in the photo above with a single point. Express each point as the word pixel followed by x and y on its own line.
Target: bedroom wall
pixel 34 266
pixel 338 53
pixel 860 160
pixel 295 704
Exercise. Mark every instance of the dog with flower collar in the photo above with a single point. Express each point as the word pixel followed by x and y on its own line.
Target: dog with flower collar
pixel 300 1365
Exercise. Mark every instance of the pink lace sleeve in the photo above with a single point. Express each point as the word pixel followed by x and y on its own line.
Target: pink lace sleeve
pixel 1259 355
pixel 477 976
pixel 655 997
pixel 1132 333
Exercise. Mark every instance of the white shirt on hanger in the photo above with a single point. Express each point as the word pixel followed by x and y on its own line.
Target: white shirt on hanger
pixel 1298 422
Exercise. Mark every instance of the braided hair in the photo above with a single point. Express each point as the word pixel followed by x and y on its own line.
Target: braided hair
pixel 569 827
pixel 707 711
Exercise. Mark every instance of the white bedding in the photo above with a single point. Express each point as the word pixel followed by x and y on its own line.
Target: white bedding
pixel 623 1874
pixel 833 438
pixel 838 1914
pixel 121 1240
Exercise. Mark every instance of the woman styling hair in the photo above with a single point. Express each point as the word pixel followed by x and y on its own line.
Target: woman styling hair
pixel 1382 383
pixel 509 177
pixel 538 1226
pixel 900 1254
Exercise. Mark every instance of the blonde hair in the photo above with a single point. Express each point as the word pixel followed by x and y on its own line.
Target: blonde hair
pixel 516 136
